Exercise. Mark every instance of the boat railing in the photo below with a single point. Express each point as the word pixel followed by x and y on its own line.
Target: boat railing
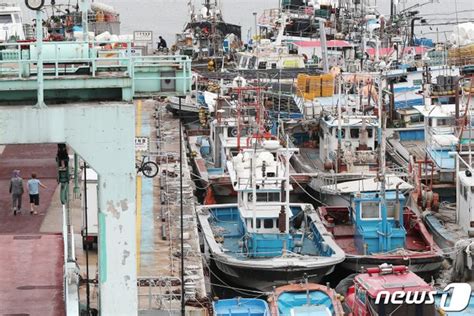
pixel 299 11
pixel 71 270
pixel 269 17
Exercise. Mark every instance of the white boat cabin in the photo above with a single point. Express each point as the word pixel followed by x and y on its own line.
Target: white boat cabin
pixel 358 140
pixel 267 55
pixel 465 201
pixel 11 24
pixel 439 122
pixel 262 185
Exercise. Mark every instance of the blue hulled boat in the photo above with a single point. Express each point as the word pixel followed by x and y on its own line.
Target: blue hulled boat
pixel 306 299
pixel 241 307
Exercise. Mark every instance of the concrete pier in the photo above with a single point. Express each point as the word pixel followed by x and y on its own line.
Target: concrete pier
pixel 158 218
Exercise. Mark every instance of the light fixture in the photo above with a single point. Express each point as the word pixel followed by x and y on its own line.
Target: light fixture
pixel 34 4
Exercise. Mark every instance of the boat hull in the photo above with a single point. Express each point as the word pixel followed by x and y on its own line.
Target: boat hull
pixel 426 264
pixel 265 279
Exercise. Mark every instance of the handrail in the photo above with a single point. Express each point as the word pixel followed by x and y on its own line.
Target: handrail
pixel 90 54
pixel 71 271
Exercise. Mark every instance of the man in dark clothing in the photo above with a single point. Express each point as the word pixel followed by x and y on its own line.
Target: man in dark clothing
pixel 162 43
pixel 62 157
pixel 16 190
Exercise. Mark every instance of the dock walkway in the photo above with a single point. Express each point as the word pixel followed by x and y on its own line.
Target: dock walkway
pixel 158 217
pixel 31 274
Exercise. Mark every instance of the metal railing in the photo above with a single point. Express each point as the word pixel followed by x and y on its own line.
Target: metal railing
pixel 23 57
pixel 71 270
pixel 17 59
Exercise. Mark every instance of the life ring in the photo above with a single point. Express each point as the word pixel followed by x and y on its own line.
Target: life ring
pixel 234 132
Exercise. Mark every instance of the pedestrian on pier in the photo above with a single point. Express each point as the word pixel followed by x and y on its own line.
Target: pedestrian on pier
pixel 33 191
pixel 16 190
pixel 162 46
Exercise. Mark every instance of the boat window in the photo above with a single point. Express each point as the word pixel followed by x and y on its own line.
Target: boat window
pixel 268 223
pixel 17 18
pixel 343 133
pixel 262 65
pixel 354 133
pixel 370 132
pixel 442 122
pixel 369 210
pixel 250 223
pixel 274 65
pixel 252 62
pixel 430 122
pixel 416 118
pixel 6 18
pixel 391 208
pixel 472 189
pixel 259 224
pixel 268 197
pixel 465 192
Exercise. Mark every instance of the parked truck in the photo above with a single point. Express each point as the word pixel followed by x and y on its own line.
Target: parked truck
pixel 89 189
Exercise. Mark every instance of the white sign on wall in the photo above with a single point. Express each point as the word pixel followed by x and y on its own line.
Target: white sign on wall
pixel 141 143
pixel 143 36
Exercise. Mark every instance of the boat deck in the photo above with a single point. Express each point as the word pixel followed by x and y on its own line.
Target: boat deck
pixel 31 278
pixel 416 148
pixel 229 229
pixel 344 236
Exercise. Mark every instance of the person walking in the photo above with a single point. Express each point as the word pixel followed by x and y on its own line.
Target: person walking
pixel 16 190
pixel 33 191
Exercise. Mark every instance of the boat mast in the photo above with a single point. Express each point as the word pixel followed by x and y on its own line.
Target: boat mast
pixel 384 241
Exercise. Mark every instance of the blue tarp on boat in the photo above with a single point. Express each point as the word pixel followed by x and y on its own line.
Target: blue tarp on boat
pixel 241 307
pixel 291 302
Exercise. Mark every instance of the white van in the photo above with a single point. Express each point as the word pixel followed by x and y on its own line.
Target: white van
pixel 92 210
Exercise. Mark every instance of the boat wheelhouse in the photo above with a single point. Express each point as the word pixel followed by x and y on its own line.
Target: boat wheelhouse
pixel 268 55
pixel 440 137
pixel 380 229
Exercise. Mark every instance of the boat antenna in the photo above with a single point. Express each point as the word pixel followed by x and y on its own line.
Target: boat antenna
pixel 381 141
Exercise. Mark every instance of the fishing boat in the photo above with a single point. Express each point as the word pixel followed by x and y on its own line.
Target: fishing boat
pixel 237 121
pixel 379 229
pixel 361 292
pixel 207 35
pixel 305 299
pixel 192 104
pixel 240 307
pixel 264 240
pixel 349 137
pixel 268 55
